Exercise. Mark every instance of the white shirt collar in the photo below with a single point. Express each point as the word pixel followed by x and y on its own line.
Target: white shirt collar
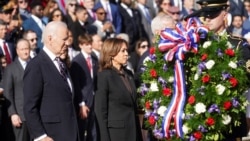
pixel 81 23
pixel 140 6
pixel 2 40
pixel 85 54
pixel 51 55
pixel 36 18
pixel 99 22
pixel 124 6
pixel 96 52
pixel 23 63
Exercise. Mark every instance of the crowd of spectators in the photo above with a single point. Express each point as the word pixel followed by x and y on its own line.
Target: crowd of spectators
pixel 130 20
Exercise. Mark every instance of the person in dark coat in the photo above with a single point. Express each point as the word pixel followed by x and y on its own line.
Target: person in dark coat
pixel 116 97
pixel 48 91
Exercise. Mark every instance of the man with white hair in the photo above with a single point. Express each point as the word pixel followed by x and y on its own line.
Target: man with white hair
pixel 48 103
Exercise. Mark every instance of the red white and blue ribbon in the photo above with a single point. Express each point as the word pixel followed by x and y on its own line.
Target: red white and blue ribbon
pixel 176 42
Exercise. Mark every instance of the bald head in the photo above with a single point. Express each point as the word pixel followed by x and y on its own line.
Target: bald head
pixel 52 28
pixel 55 36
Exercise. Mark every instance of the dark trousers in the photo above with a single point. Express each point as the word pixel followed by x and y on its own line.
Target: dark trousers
pixel 21 133
pixel 87 127
pixel 6 132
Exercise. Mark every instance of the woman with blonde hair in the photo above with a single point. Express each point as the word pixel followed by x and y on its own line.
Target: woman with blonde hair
pixel 116 99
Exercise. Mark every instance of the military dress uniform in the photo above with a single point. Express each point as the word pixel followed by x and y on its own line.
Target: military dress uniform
pixel 211 9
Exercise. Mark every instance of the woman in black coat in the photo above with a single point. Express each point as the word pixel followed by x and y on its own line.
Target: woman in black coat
pixel 115 99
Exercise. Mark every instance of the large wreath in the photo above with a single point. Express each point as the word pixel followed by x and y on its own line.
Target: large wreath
pixel 192 90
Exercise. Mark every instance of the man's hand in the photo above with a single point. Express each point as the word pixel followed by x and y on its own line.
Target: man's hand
pixel 84 111
pixel 1 91
pixel 108 27
pixel 16 120
pixel 47 139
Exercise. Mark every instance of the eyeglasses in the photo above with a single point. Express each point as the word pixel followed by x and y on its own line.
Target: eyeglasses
pixel 71 4
pixel 247 5
pixel 165 4
pixel 21 2
pixel 143 46
pixel 102 13
pixel 58 15
pixel 175 13
pixel 34 39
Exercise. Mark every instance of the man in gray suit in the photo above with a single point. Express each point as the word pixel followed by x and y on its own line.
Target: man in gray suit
pixel 147 16
pixel 13 90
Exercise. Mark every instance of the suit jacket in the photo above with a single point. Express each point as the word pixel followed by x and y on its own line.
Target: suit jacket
pixel 11 49
pixel 69 20
pixel 132 26
pixel 13 88
pixel 116 107
pixel 48 101
pixel 84 84
pixel 147 24
pixel 31 24
pixel 237 9
pixel 154 10
pixel 117 20
pixel 77 29
pixel 90 19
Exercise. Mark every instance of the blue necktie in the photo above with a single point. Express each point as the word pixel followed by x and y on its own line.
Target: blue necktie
pixel 148 17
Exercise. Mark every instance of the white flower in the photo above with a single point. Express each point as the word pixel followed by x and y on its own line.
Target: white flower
pixel 200 108
pixel 209 64
pixel 146 60
pixel 183 116
pixel 196 76
pixel 171 79
pixel 232 65
pixel 154 87
pixel 161 110
pixel 226 119
pixel 229 45
pixel 207 44
pixel 220 89
pixel 185 129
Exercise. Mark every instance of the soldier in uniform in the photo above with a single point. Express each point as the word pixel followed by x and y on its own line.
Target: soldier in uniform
pixel 214 15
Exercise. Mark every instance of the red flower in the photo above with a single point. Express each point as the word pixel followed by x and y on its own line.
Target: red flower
pixel 204 57
pixel 205 78
pixel 151 120
pixel 197 135
pixel 233 81
pixel 210 121
pixel 227 105
pixel 191 100
pixel 229 52
pixel 152 50
pixel 153 73
pixel 167 91
pixel 147 105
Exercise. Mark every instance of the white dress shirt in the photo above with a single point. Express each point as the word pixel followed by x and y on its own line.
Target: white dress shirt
pixel 38 21
pixel 1 44
pixel 52 56
pixel 127 9
pixel 23 63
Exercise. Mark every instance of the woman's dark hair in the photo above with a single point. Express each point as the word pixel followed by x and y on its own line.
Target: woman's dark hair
pixel 51 15
pixel 110 49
